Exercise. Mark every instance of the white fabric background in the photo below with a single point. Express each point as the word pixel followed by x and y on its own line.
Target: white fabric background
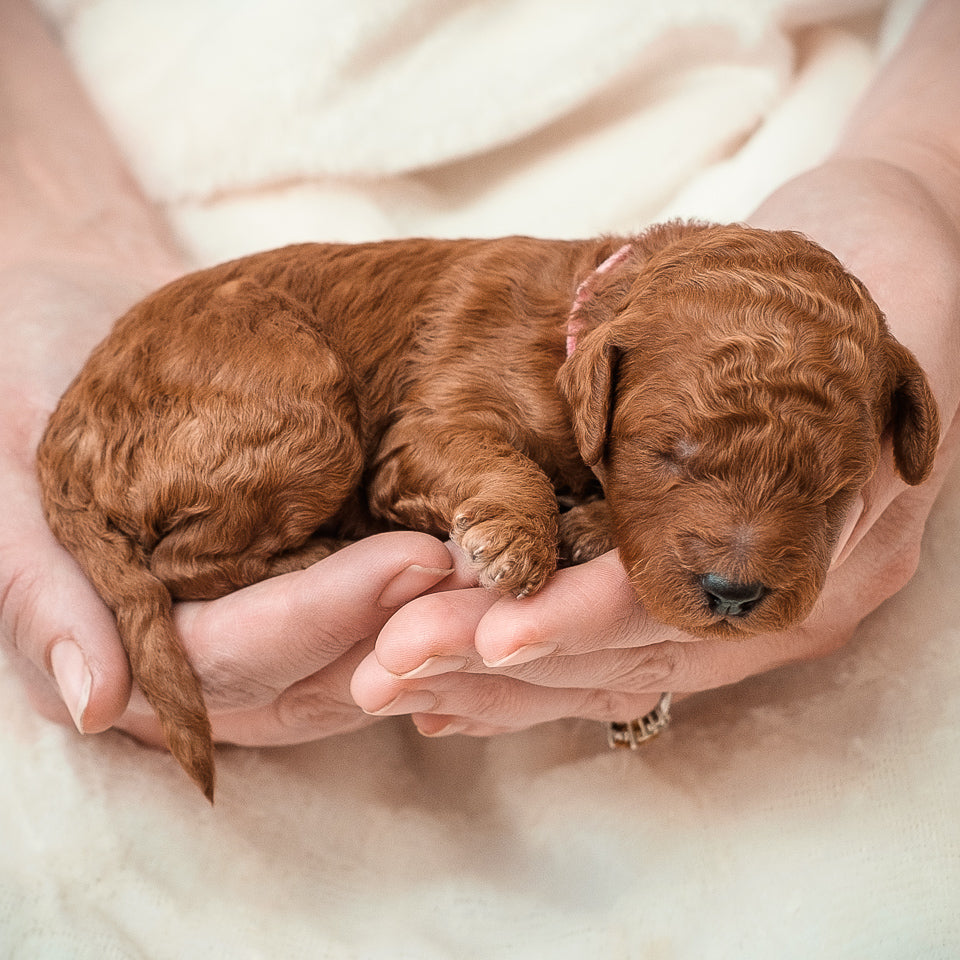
pixel 807 813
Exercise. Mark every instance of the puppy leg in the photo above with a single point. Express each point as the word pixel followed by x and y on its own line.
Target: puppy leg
pixel 205 578
pixel 280 492
pixel 495 502
pixel 513 550
pixel 585 532
pixel 315 549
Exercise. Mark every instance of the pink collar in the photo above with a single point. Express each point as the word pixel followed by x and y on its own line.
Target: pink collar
pixel 585 292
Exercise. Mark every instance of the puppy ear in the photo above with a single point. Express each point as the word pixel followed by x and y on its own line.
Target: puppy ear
pixel 586 381
pixel 914 418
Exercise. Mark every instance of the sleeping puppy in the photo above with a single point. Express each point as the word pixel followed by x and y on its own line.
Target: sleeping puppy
pixel 726 389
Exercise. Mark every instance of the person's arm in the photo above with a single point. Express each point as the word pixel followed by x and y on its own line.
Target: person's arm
pixel 888 204
pixel 78 245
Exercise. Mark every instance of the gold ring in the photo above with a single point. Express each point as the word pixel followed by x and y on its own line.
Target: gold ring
pixel 632 733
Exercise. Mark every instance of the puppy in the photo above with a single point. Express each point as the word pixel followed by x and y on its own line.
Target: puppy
pixel 726 389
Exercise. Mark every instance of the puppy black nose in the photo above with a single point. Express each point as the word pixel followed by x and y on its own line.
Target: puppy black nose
pixel 727 598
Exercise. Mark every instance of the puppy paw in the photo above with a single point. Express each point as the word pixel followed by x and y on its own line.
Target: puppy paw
pixel 514 555
pixel 585 532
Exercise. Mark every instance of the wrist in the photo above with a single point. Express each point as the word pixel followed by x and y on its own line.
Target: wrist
pixel 892 227
pixel 55 306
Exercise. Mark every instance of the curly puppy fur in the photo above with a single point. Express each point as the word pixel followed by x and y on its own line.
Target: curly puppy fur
pixel 729 387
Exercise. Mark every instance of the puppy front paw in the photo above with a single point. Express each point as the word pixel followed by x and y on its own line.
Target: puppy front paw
pixel 514 555
pixel 585 532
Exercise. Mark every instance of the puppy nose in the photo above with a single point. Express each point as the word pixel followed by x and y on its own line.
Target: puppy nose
pixel 729 598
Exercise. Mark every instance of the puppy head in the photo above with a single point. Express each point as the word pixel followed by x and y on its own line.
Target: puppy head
pixel 732 387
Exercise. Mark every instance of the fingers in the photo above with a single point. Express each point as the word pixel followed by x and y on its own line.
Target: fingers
pixel 580 610
pixel 318 706
pixel 615 684
pixel 609 684
pixel 250 645
pixel 468 662
pixel 471 661
pixel 483 703
pixel 63 638
pixel 582 647
pixel 276 658
pixel 435 633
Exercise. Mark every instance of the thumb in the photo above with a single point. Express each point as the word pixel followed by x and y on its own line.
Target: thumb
pixel 58 627
pixel 250 645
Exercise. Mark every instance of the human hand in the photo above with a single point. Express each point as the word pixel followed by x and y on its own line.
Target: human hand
pixel 471 662
pixel 888 205
pixel 52 310
pixel 78 244
pixel 468 661
pixel 275 659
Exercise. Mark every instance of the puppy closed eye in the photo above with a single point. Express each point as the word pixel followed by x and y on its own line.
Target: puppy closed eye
pixel 674 457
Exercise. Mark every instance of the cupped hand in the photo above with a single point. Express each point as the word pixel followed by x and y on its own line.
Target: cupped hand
pixel 57 632
pixel 275 659
pixel 468 661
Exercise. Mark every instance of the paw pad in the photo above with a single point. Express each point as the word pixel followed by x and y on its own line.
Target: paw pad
pixel 512 555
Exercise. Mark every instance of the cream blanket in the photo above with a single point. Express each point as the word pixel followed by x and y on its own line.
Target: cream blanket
pixel 807 813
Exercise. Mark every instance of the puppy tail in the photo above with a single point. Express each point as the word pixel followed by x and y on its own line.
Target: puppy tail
pixel 160 666
pixel 143 608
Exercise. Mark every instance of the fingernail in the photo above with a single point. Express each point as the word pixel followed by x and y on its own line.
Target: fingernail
pixel 410 583
pixel 70 670
pixel 434 666
pixel 443 729
pixel 411 701
pixel 532 651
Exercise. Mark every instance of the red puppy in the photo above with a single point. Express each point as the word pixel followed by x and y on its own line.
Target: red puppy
pixel 729 387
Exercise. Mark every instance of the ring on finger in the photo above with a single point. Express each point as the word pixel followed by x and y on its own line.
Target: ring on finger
pixel 630 734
